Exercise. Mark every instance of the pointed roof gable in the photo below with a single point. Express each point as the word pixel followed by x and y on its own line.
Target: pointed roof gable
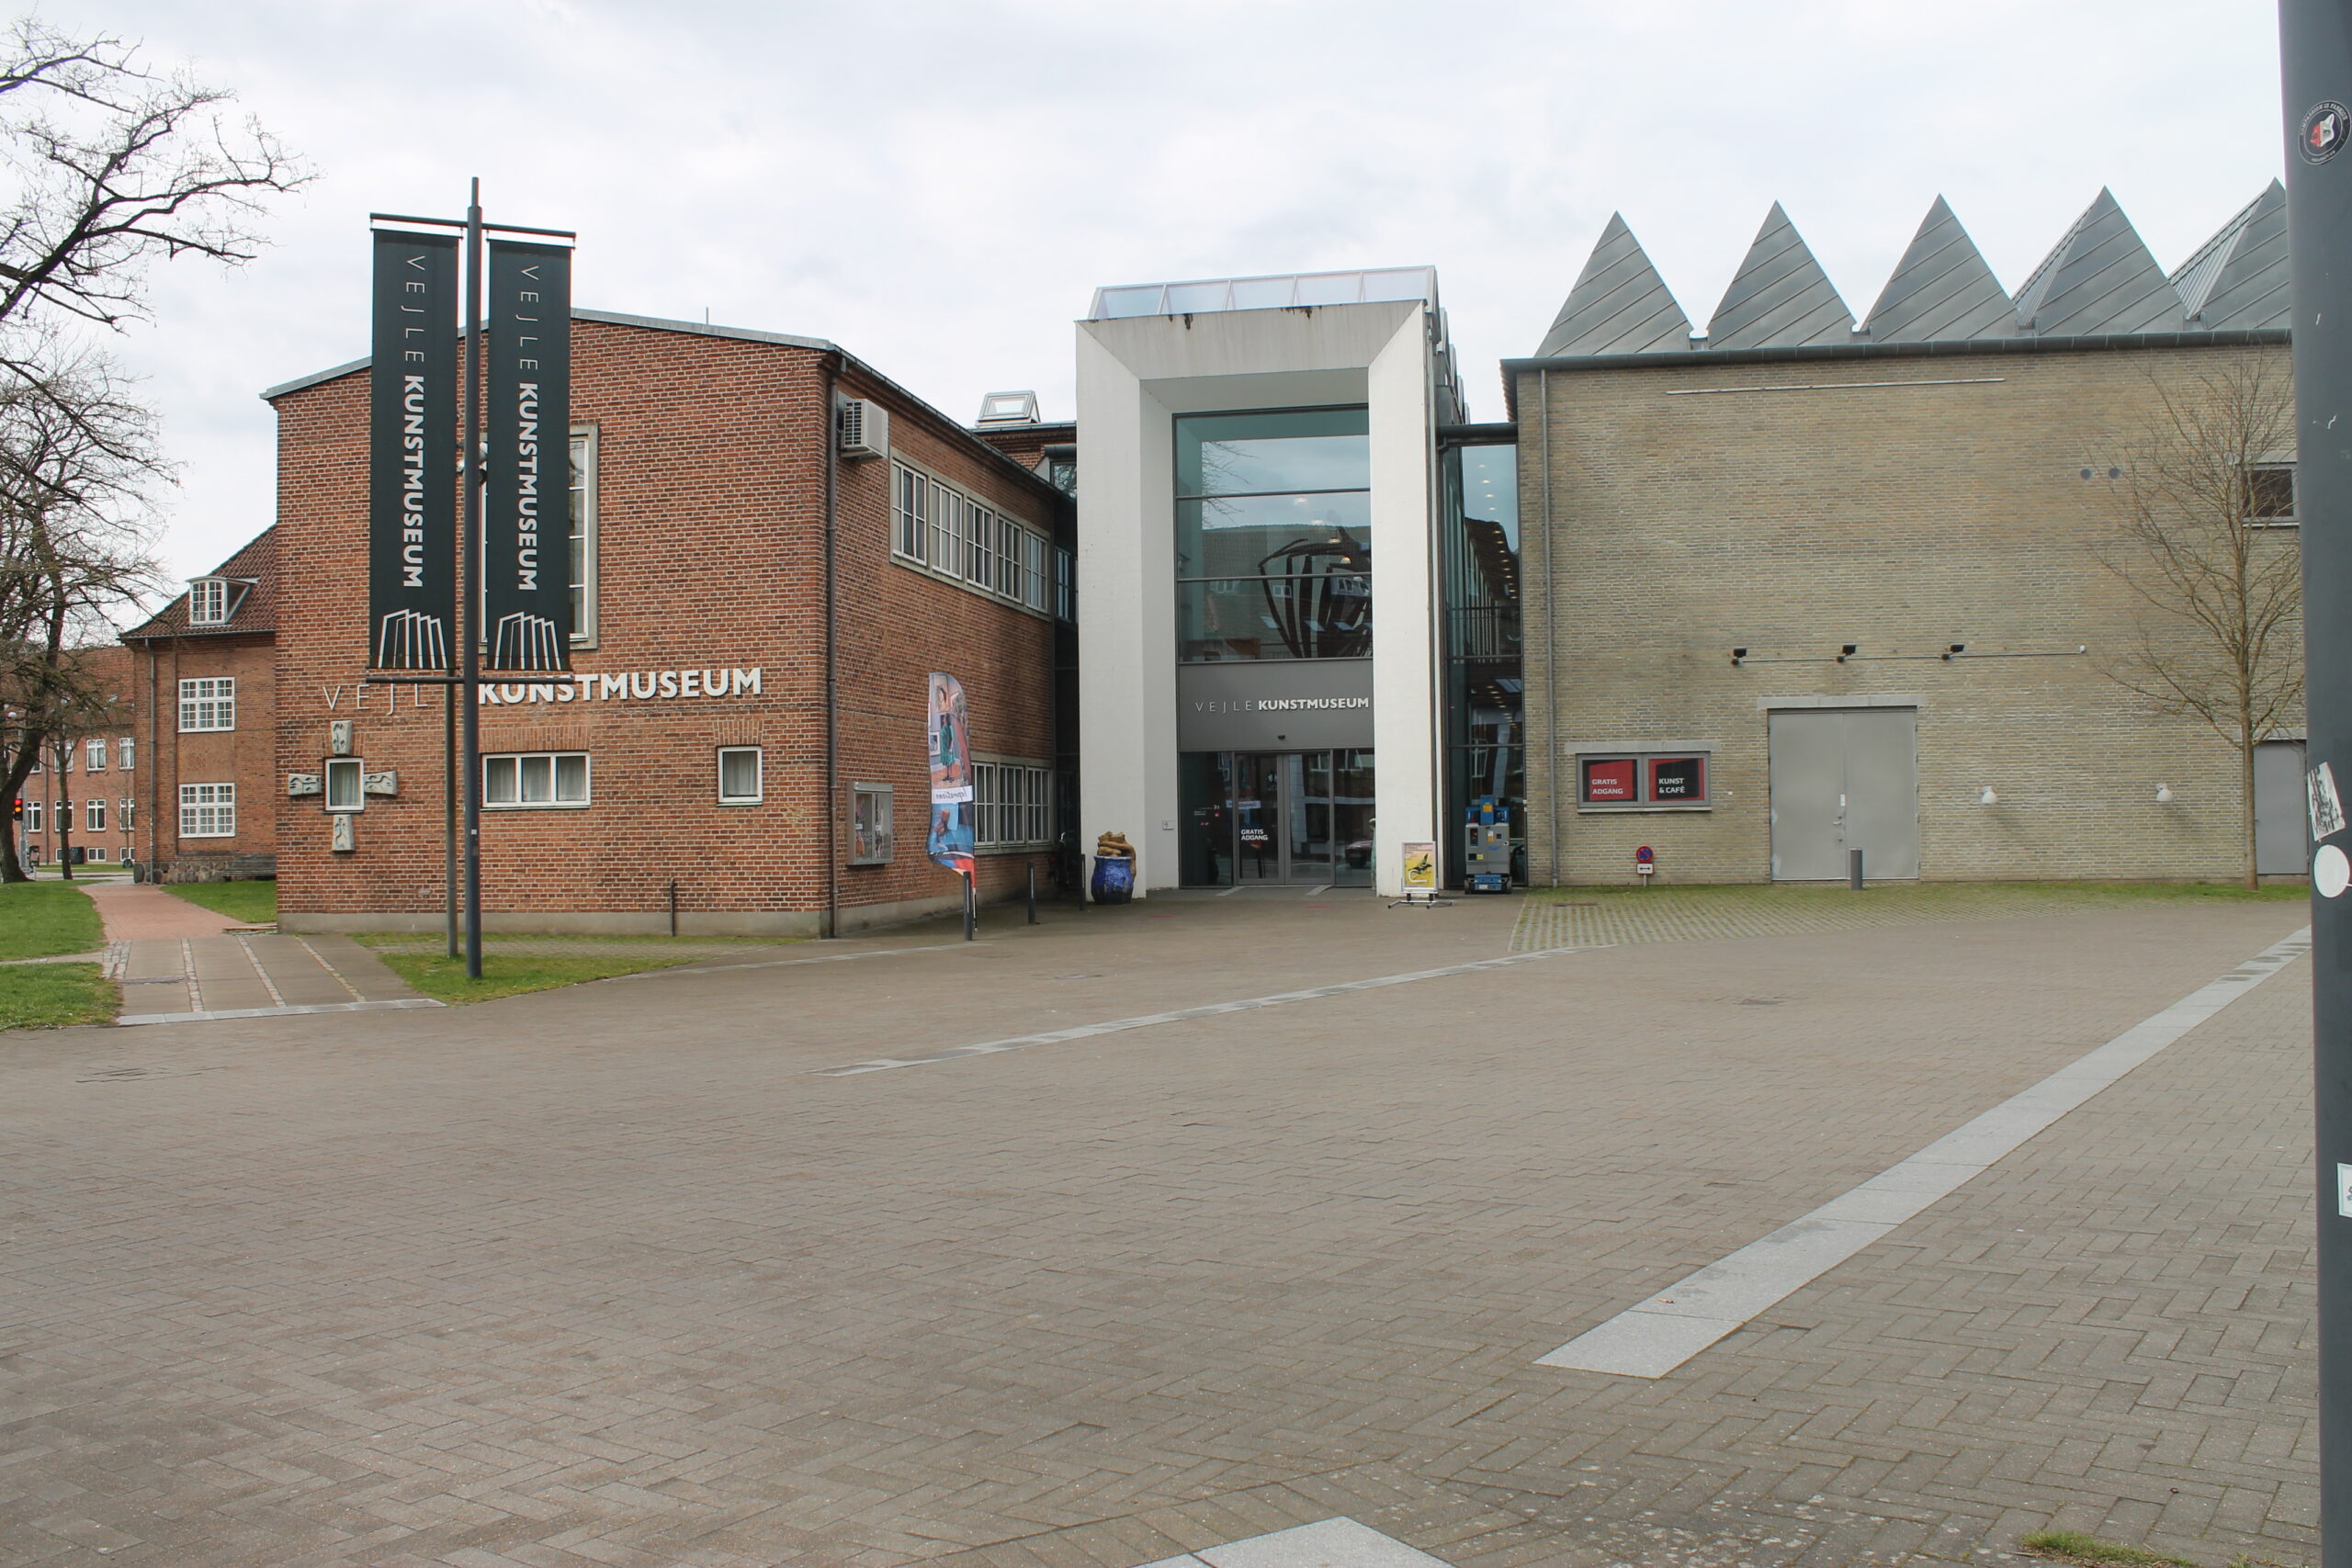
pixel 1620 304
pixel 2098 279
pixel 1779 298
pixel 2237 279
pixel 1943 290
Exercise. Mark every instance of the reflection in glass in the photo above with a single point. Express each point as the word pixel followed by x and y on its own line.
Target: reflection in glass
pixel 1236 536
pixel 1352 816
pixel 1275 817
pixel 1306 615
pixel 1264 453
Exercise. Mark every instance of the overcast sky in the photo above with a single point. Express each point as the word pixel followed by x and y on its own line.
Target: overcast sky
pixel 937 186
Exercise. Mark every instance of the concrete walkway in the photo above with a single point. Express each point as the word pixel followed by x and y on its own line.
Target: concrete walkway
pixel 181 962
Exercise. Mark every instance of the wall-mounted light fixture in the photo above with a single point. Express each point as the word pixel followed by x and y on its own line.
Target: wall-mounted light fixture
pixel 1845 652
pixel 1954 651
pixel 1989 797
pixel 1738 655
pixel 2164 795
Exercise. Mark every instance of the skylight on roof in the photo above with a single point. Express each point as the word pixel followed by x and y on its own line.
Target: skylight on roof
pixel 1272 292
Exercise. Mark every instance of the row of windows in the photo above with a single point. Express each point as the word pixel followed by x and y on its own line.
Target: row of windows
pixel 94 755
pixel 956 536
pixel 35 855
pixel 32 812
pixel 1014 805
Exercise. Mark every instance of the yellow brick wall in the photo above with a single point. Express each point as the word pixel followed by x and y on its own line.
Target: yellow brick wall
pixel 1899 518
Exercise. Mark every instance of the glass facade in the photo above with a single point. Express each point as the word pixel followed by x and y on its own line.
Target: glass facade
pixel 1273 534
pixel 1484 702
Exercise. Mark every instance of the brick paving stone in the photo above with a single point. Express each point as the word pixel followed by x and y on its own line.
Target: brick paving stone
pixel 612 1276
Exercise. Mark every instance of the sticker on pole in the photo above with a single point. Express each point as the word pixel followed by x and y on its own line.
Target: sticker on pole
pixel 2331 871
pixel 2324 130
pixel 2327 806
pixel 2344 1192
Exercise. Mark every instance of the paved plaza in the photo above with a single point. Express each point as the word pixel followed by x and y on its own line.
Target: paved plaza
pixel 1157 1234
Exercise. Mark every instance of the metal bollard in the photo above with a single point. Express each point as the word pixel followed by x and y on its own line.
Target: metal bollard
pixel 1854 870
pixel 1032 892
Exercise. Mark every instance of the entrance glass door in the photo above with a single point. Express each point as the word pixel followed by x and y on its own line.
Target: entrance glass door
pixel 1259 817
pixel 1269 817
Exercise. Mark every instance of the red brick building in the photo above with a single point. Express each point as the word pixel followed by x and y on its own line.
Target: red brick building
pixel 199 693
pixel 761 588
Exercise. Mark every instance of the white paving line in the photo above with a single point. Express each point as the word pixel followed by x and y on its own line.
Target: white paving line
pixel 1651 1338
pixel 785 963
pixel 275 1013
pixel 1334 1543
pixel 1119 1025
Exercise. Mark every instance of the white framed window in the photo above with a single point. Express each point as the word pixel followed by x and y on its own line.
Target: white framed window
pixel 208 703
pixel 123 809
pixel 208 811
pixel 32 815
pixel 870 838
pixel 208 601
pixel 1009 535
pixel 946 528
pixel 94 755
pixel 1032 569
pixel 909 534
pixel 125 752
pixel 739 775
pixel 94 817
pixel 980 544
pixel 583 536
pixel 96 852
pixel 347 779
pixel 1065 585
pixel 535 781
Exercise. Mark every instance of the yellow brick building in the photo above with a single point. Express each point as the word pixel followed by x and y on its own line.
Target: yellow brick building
pixel 1796 586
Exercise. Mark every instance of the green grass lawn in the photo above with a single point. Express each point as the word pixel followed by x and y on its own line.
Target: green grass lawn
pixel 38 919
pixel 255 901
pixel 52 996
pixel 442 977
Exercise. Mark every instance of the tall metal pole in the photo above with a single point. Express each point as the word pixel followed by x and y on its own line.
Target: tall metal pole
pixel 450 808
pixel 470 587
pixel 2315 52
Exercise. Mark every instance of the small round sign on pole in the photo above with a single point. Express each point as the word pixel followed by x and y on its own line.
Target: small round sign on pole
pixel 1645 862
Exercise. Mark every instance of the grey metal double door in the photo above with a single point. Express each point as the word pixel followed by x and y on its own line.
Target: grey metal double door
pixel 1845 779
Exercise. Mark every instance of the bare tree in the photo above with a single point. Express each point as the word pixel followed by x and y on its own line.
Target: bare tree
pixel 2220 584
pixel 112 165
pixel 104 166
pixel 76 458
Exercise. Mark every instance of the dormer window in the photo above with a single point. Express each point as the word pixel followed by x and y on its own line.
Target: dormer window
pixel 208 601
pixel 1009 408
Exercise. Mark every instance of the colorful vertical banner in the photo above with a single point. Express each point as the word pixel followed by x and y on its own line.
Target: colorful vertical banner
pixel 412 453
pixel 952 807
pixel 526 509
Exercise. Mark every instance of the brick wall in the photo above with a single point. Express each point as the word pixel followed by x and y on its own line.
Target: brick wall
pixel 1898 518
pixel 711 459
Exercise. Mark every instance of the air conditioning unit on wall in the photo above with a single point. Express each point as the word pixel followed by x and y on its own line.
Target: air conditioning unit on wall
pixel 865 428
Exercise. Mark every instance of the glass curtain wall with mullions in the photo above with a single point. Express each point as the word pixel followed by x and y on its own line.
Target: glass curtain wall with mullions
pixel 1273 534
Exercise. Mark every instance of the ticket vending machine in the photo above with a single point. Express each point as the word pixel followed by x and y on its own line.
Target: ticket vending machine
pixel 1486 849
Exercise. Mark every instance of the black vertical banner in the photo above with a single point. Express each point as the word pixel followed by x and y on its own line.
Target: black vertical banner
pixel 412 452
pixel 526 512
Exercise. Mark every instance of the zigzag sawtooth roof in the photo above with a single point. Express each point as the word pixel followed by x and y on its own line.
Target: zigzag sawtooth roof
pixel 1942 290
pixel 2099 280
pixel 1779 298
pixel 2238 279
pixel 1620 304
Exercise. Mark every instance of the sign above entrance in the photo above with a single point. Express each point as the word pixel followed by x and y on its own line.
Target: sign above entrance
pixel 1304 705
